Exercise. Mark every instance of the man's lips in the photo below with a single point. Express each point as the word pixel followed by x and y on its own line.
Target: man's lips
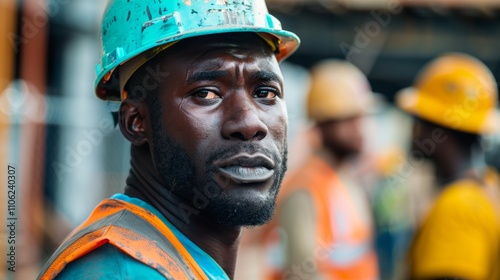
pixel 246 168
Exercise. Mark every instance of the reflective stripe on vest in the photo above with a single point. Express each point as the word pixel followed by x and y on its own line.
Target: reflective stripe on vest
pixel 136 232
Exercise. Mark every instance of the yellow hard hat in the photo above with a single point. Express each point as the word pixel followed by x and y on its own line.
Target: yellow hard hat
pixel 456 91
pixel 338 90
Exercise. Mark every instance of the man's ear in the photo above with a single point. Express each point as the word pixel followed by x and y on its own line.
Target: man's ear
pixel 133 121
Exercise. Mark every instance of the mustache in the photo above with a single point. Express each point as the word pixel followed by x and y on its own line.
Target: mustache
pixel 226 152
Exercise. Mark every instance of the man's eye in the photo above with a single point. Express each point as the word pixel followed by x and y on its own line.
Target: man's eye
pixel 265 93
pixel 206 94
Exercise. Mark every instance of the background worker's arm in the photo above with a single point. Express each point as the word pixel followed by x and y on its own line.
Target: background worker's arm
pixel 298 220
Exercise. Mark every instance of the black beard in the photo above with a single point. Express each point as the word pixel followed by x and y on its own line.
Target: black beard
pixel 179 173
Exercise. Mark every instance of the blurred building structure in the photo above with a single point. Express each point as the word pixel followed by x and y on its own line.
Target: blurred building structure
pixel 390 40
pixel 61 138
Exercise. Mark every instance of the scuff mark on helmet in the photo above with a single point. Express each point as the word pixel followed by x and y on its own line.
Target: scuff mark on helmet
pixel 149 13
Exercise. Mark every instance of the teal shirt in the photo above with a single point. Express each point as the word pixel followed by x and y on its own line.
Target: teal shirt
pixel 108 262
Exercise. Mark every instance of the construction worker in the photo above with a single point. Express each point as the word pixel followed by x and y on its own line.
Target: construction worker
pixel 324 224
pixel 202 104
pixel 454 101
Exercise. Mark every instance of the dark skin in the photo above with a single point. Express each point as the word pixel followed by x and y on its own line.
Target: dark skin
pixel 342 138
pixel 237 100
pixel 452 160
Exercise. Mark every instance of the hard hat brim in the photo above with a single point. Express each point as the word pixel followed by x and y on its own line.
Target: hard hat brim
pixel 454 116
pixel 288 44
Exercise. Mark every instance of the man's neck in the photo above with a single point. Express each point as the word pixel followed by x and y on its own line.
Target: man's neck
pixel 220 242
pixel 456 166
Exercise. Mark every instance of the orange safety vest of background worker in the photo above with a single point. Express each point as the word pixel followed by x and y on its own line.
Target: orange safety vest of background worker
pixel 343 239
pixel 342 231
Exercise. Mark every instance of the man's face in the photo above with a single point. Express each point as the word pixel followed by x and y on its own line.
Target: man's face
pixel 422 142
pixel 220 140
pixel 343 137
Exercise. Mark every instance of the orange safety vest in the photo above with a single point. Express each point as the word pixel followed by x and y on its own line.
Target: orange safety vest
pixel 343 238
pixel 136 232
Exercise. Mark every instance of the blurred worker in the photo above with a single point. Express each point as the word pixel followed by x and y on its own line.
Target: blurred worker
pixel 324 219
pixel 202 103
pixel 454 101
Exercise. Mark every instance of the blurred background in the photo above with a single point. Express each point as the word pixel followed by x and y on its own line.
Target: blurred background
pixel 68 155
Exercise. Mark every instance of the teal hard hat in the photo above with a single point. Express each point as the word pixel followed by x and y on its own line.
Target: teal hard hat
pixel 133 31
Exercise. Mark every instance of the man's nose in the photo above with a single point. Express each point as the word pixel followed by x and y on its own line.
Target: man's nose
pixel 243 121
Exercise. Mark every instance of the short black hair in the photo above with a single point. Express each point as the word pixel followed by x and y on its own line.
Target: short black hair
pixel 137 91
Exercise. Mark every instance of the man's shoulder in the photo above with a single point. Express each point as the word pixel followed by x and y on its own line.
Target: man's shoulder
pixel 466 200
pixel 460 235
pixel 463 193
pixel 108 262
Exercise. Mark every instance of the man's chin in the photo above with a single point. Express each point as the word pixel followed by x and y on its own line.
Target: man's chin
pixel 242 212
pixel 259 220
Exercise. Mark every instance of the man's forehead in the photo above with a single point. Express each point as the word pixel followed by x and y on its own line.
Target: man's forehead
pixel 215 51
pixel 207 43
